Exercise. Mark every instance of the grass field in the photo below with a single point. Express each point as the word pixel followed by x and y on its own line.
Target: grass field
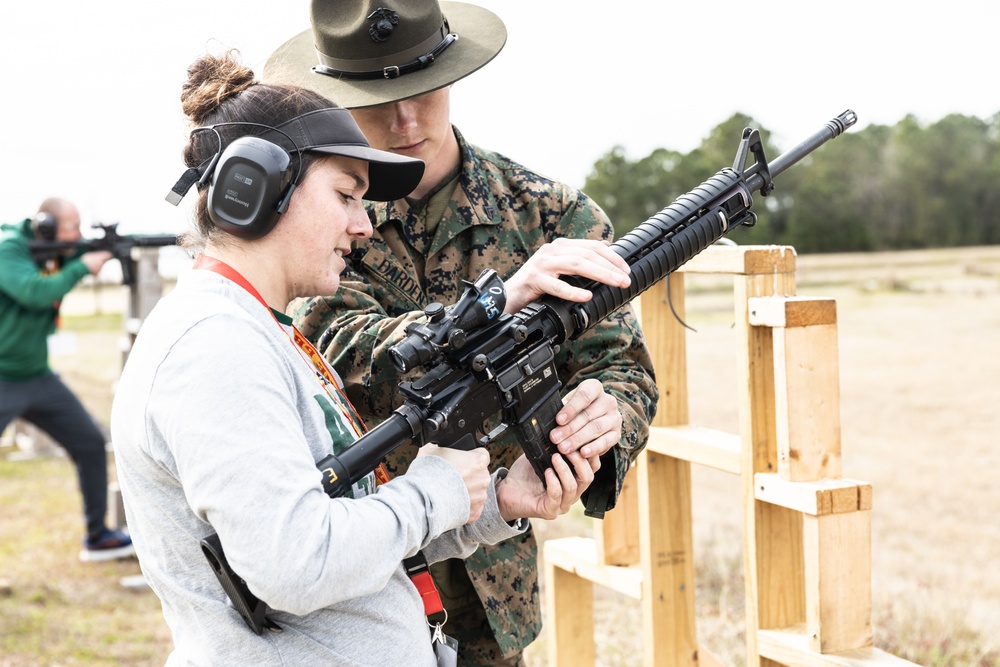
pixel 919 380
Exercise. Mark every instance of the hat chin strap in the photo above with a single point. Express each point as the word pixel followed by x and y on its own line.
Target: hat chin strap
pixel 391 71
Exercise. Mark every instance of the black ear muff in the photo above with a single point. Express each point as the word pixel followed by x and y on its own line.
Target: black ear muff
pixel 44 226
pixel 248 193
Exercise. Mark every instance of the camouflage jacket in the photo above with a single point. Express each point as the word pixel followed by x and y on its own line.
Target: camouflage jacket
pixel 500 213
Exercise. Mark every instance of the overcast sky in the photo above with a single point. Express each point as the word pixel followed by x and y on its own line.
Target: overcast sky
pixel 91 110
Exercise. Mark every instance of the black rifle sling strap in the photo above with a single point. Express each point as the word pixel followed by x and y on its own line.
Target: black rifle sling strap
pixel 601 496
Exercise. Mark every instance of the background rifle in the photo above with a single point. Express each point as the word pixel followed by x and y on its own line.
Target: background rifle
pixel 120 246
pixel 483 362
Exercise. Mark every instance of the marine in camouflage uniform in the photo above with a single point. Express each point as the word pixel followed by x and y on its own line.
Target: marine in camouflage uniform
pixel 392 66
pixel 498 215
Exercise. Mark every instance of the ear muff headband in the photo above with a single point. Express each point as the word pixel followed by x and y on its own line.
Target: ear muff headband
pixel 329 131
pixel 249 183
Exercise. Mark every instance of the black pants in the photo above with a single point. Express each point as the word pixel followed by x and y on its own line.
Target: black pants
pixel 50 405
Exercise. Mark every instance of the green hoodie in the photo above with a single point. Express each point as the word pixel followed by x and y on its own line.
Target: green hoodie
pixel 28 304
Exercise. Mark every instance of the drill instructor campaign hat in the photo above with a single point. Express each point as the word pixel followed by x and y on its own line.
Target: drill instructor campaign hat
pixel 361 53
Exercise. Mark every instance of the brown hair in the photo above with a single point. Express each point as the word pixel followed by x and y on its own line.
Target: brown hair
pixel 221 90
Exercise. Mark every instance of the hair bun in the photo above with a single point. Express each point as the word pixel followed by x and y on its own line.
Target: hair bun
pixel 211 81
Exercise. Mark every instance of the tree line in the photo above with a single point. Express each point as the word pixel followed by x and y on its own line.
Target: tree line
pixel 907 186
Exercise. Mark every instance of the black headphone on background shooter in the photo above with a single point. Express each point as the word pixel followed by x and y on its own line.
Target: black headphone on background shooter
pixel 44 225
pixel 249 183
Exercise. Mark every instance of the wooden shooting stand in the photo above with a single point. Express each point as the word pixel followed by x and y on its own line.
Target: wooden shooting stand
pixel 807 531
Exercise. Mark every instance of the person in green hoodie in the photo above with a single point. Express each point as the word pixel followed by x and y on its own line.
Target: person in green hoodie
pixel 29 310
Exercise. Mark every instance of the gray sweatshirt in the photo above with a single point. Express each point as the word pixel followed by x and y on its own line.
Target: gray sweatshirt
pixel 218 422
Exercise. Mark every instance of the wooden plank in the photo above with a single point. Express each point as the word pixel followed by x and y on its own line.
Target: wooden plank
pixel 791 647
pixel 792 311
pixel 743 260
pixel 838 573
pixel 665 531
pixel 715 259
pixel 816 498
pixel 668 348
pixel 708 447
pixel 768 260
pixel 618 533
pixel 569 618
pixel 807 399
pixel 772 550
pixel 865 498
pixel 578 556
pixel 617 536
pixel 668 611
pixel 708 659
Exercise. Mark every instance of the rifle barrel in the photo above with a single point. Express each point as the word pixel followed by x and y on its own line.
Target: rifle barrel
pixel 831 130
pixel 150 241
pixel 668 239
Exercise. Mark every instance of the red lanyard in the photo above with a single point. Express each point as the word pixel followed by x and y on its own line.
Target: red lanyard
pixel 301 343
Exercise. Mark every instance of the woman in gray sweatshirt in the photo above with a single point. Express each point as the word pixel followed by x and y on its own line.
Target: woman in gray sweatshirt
pixel 224 409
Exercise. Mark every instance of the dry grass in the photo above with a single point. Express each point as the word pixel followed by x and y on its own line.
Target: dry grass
pixel 918 386
pixel 59 611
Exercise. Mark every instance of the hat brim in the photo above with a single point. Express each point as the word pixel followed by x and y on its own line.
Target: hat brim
pixel 390 176
pixel 481 36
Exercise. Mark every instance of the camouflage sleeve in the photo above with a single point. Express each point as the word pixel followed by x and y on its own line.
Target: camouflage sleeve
pixel 615 353
pixel 354 332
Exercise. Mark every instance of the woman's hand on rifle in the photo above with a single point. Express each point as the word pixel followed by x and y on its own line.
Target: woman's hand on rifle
pixel 521 494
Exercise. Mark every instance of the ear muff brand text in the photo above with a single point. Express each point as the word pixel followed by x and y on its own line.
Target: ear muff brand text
pixel 233 196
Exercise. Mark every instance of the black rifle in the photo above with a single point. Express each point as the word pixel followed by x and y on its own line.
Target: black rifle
pixel 483 363
pixel 120 246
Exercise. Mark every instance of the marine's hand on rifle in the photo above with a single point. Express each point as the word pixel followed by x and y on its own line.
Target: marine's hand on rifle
pixel 522 495
pixel 95 259
pixel 473 465
pixel 590 421
pixel 543 271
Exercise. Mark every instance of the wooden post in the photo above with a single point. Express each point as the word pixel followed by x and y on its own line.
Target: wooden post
pixel 772 534
pixel 807 384
pixel 838 573
pixel 668 607
pixel 837 531
pixel 617 536
pixel 142 296
pixel 571 599
pixel 665 525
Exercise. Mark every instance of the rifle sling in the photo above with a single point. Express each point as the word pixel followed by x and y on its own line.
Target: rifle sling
pixel 417 569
